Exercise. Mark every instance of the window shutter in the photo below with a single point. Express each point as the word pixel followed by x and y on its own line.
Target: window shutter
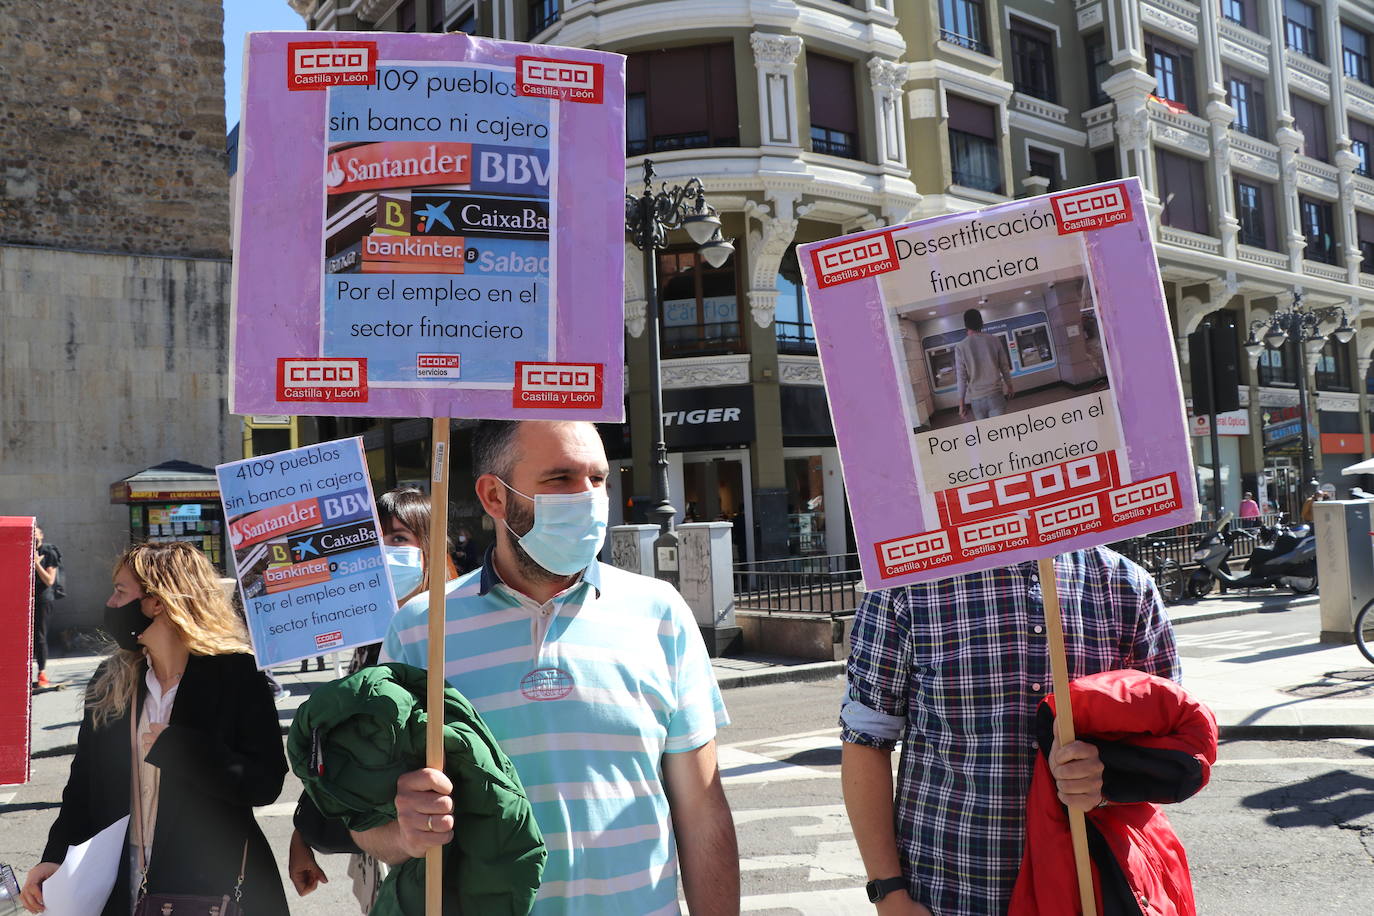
pixel 830 89
pixel 972 117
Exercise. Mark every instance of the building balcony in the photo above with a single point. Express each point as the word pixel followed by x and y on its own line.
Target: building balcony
pixel 1193 241
pixel 1307 75
pixel 1240 45
pixel 1262 256
pixel 1359 98
pixel 1318 178
pixel 1182 131
pixel 705 371
pixel 1255 156
pixel 1324 271
pixel 1175 18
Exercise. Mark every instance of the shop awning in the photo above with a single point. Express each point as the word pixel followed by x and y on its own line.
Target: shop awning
pixel 171 481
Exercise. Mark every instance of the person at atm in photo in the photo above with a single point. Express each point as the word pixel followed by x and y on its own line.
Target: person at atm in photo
pixel 983 371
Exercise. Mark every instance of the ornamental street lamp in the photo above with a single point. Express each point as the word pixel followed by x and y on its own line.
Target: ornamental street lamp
pixel 1300 324
pixel 649 218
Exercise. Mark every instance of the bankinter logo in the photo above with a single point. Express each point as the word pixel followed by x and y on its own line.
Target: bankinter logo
pixel 565 80
pixel 558 385
pixel 337 379
pixel 854 260
pixel 317 64
pixel 1091 209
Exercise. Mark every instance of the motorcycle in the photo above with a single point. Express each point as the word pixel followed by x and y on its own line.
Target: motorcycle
pixel 1283 558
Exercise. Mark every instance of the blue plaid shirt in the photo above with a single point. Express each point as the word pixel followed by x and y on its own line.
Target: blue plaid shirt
pixel 954 670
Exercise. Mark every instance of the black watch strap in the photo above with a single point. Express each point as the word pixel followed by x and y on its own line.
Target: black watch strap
pixel 879 889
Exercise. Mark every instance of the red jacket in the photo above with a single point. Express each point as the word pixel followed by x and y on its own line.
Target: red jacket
pixel 1158 745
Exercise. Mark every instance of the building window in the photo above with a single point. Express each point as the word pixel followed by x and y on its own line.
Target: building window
pixel 1172 67
pixel 1319 228
pixel 974 151
pixel 962 23
pixel 1355 53
pixel 1099 68
pixel 1246 95
pixel 460 18
pixel 1300 28
pixel 1364 230
pixel 1032 56
pixel 405 16
pixel 700 305
pixel 1362 145
pixel 543 13
pixel 1332 366
pixel 1106 164
pixel 1310 118
pixel 792 322
pixel 1183 188
pixel 1279 367
pixel 1045 164
pixel 834 106
pixel 681 98
pixel 1255 212
pixel 1241 12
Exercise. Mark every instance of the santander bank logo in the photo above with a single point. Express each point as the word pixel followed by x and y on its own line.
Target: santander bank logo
pixel 319 64
pixel 854 260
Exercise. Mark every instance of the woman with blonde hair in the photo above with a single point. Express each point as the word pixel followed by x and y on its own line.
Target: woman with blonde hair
pixel 180 733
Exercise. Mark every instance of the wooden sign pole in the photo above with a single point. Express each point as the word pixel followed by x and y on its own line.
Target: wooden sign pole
pixel 1063 726
pixel 434 684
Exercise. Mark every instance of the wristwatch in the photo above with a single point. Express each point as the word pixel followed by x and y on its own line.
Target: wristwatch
pixel 879 889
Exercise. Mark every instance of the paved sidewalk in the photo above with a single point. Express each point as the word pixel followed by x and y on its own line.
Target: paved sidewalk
pixel 1311 689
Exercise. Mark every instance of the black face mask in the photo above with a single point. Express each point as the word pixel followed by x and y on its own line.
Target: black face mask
pixel 125 623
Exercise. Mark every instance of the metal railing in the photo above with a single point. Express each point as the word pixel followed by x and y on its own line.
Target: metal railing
pixel 826 584
pixel 1177 544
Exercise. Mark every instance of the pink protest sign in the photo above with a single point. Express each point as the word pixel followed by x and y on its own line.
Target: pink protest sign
pixel 1003 383
pixel 429 225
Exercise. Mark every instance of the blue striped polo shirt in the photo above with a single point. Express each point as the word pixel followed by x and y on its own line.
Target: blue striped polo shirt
pixel 585 694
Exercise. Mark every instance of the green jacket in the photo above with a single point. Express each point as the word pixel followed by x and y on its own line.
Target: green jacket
pixel 351 740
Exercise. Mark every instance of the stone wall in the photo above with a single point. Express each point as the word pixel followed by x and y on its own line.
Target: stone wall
pixel 113 127
pixel 108 364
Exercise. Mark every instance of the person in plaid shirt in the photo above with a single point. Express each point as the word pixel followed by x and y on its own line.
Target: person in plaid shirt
pixel 954 670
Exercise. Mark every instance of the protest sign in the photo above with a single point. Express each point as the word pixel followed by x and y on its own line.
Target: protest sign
pixel 16 616
pixel 307 551
pixel 423 228
pixel 944 471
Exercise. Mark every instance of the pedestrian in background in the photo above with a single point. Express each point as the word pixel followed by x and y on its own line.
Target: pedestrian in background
pixel 47 566
pixel 954 670
pixel 1249 511
pixel 180 715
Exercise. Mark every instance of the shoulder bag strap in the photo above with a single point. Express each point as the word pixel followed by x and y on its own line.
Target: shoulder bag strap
pixel 137 801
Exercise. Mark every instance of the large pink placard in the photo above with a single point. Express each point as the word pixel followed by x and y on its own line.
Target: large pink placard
pixel 1057 425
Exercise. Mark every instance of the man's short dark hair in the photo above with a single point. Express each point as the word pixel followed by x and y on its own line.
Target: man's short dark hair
pixel 493 448
pixel 973 320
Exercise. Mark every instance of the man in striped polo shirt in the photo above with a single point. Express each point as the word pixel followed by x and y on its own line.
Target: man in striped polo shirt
pixel 594 680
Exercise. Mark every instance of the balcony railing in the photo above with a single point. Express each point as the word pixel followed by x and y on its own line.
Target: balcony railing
pixel 713 339
pixel 795 337
pixel 965 41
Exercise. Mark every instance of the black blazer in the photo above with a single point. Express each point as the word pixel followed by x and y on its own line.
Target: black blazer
pixel 220 756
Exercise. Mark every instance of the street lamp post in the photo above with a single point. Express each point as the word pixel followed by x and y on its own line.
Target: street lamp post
pixel 649 217
pixel 1300 324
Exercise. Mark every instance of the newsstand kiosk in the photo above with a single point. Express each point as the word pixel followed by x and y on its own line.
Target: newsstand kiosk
pixel 175 501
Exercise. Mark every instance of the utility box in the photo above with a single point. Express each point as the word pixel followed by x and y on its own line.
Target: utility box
pixel 631 548
pixel 706 567
pixel 1345 565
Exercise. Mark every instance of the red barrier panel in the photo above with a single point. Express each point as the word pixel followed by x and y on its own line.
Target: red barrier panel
pixel 16 649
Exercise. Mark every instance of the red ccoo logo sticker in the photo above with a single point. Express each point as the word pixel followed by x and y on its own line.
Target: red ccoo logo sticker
pixel 565 80
pixel 561 385
pixel 854 260
pixel 328 640
pixel 335 379
pixel 917 551
pixel 319 64
pixel 1095 208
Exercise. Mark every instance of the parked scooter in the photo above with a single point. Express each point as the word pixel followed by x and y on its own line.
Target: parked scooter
pixel 1284 557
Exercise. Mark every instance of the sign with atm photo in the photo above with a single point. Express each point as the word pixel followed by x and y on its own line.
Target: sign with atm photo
pixel 424 228
pixel 1003 383
pixel 307 553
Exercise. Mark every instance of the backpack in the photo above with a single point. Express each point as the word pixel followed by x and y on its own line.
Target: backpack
pixel 59 585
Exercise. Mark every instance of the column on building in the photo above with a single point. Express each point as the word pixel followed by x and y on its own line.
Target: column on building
pixel 1219 116
pixel 775 59
pixel 888 79
pixel 1345 160
pixel 1287 139
pixel 1130 88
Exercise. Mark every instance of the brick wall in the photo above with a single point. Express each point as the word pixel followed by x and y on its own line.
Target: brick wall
pixel 112 126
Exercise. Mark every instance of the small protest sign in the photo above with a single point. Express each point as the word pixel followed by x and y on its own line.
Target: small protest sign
pixel 421 228
pixel 16 616
pixel 1003 383
pixel 307 551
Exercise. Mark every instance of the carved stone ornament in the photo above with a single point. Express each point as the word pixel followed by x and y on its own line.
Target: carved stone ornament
pixel 768 248
pixel 888 76
pixel 636 313
pixel 1133 128
pixel 775 51
pixel 763 305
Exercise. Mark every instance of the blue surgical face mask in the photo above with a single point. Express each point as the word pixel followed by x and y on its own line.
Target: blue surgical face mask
pixel 568 530
pixel 407 568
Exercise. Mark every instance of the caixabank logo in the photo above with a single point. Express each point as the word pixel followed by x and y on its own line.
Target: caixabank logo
pixel 1094 208
pixel 564 385
pixel 854 260
pixel 320 64
pixel 564 80
pixel 314 378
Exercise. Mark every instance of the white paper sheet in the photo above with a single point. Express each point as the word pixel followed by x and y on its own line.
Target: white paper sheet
pixel 83 883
